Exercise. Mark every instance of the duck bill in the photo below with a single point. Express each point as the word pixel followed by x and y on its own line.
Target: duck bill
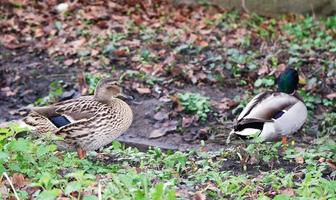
pixel 125 96
pixel 302 80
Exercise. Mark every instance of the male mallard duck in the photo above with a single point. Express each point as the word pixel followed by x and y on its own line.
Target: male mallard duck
pixel 86 123
pixel 274 114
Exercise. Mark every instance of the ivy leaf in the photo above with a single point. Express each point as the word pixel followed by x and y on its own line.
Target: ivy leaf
pixel 158 193
pixel 20 145
pixel 72 187
pixel 258 83
pixel 49 194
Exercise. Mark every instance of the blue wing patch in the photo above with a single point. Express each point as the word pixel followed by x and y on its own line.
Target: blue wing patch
pixel 59 121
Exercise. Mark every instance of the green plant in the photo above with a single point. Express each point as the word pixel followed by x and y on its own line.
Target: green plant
pixel 327 125
pixel 141 76
pixel 266 153
pixel 137 186
pixel 113 40
pixel 49 184
pixel 267 81
pixel 194 103
pixel 312 100
pixel 92 81
pixel 308 33
pixel 78 181
pixel 55 91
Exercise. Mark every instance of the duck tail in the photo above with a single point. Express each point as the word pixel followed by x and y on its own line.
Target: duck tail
pixel 228 140
pixel 39 123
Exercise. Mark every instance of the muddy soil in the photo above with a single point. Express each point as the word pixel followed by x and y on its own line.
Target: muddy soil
pixel 25 77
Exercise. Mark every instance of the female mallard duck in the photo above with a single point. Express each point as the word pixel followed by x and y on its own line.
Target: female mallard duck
pixel 86 123
pixel 272 115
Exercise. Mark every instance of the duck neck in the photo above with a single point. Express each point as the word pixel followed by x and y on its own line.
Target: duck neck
pixel 103 98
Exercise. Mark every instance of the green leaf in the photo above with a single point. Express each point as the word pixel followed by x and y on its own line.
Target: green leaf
pixel 281 197
pixel 20 145
pixel 72 187
pixel 116 145
pixel 158 193
pixel 49 194
pixel 258 83
pixel 109 48
pixel 139 195
pixel 2 168
pixel 4 156
pixel 58 25
pixel 171 195
pixel 91 197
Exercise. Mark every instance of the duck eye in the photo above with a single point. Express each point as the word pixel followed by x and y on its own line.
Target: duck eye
pixel 112 83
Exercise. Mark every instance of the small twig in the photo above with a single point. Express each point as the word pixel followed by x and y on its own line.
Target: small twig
pixel 271 55
pixel 99 191
pixel 244 7
pixel 314 72
pixel 12 186
pixel 313 11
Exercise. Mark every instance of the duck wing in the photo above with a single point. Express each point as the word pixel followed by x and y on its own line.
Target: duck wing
pixel 292 120
pixel 65 107
pixel 267 107
pixel 78 109
pixel 65 112
pixel 40 122
pixel 91 133
pixel 252 104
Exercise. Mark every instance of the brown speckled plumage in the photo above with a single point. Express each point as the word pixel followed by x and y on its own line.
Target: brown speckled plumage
pixel 95 121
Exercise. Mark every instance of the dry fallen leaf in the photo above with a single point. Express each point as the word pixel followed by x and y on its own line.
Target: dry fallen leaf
pixel 225 104
pixel 166 128
pixel 120 52
pixel 203 43
pixel 68 62
pixel 8 92
pixel 157 133
pixel 4 191
pixel 280 68
pixel 143 90
pixel 178 106
pixel 263 70
pixel 288 191
pixel 187 121
pixel 83 87
pixel 332 164
pixel 160 116
pixel 64 198
pixel 39 32
pixel 321 160
pixel 18 180
pixel 199 196
pixel 331 95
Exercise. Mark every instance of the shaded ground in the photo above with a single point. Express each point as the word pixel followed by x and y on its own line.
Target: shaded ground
pixel 25 77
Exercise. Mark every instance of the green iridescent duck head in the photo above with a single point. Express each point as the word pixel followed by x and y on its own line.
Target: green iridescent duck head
pixel 288 81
